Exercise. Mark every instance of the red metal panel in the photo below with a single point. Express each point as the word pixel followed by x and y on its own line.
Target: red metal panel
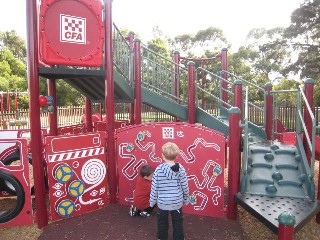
pixel 102 126
pixel 71 129
pixel 202 153
pixel 77 174
pixel 21 173
pixel 71 32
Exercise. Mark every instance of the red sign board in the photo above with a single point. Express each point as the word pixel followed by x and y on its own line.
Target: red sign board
pixel 71 32
pixel 77 174
pixel 202 154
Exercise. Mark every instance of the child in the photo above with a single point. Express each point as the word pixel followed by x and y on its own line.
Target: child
pixel 142 193
pixel 169 190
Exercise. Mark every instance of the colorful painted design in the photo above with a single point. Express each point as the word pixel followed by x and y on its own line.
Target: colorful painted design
pixel 193 199
pixel 129 147
pixel 140 136
pixel 76 188
pixel 63 173
pixel 65 208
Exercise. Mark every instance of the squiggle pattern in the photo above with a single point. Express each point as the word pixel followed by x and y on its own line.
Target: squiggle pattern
pixel 203 202
pixel 130 164
pixel 217 195
pixel 207 181
pixel 192 157
pixel 147 146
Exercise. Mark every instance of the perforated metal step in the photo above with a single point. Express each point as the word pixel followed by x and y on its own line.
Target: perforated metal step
pixel 267 209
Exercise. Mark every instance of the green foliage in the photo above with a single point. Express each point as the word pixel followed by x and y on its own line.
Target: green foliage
pixel 210 39
pixel 159 46
pixel 14 43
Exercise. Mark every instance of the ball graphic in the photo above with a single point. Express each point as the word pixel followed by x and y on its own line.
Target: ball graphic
pixel 63 174
pixel 76 188
pixel 65 208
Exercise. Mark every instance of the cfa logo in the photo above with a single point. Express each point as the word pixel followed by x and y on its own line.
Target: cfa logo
pixel 72 29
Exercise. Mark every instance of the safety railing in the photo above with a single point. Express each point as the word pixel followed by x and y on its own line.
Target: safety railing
pixel 279 95
pixel 210 92
pixel 253 106
pixel 310 137
pixel 160 76
pixel 245 130
pixel 300 123
pixel 122 56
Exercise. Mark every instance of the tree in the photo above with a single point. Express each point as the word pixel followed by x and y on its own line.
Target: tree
pixel 303 35
pixel 14 43
pixel 211 39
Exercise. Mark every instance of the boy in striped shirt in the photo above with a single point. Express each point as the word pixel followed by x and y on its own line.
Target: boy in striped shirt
pixel 169 190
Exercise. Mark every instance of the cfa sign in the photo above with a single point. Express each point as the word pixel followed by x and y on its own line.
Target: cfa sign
pixel 71 32
pixel 72 29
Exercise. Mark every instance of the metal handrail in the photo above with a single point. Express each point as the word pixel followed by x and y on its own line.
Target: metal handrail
pixel 122 55
pixel 158 73
pixel 311 142
pixel 215 97
pixel 246 134
pixel 243 80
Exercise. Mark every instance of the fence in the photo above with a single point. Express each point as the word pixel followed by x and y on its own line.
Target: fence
pixel 72 115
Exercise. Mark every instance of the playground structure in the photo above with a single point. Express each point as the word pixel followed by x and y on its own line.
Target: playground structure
pixel 87 166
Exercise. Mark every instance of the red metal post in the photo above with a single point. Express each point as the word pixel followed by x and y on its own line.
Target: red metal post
pixel 88 115
pixel 8 101
pixel 137 82
pixel 1 103
pixel 34 106
pixel 130 39
pixel 224 67
pixel 268 110
pixel 16 101
pixel 109 93
pixel 176 60
pixel 191 91
pixel 100 110
pixel 308 90
pixel 286 226
pixel 238 95
pixel 176 78
pixel 234 160
pixel 202 84
pixel 53 117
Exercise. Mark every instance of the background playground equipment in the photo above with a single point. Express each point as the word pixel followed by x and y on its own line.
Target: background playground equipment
pixel 8 117
pixel 46 103
pixel 170 87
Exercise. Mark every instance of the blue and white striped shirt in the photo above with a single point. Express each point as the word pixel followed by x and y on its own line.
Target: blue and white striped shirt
pixel 169 189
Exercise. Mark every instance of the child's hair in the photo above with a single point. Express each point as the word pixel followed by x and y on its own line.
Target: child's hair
pixel 146 171
pixel 170 150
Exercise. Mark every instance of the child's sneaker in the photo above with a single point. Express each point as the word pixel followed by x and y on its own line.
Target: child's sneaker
pixel 144 214
pixel 133 211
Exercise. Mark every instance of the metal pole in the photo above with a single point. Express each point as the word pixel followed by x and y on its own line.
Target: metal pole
pixel 224 67
pixel 191 95
pixel 130 39
pixel 88 115
pixel 109 93
pixel 234 160
pixel 35 124
pixel 268 111
pixel 308 91
pixel 53 117
pixel 137 82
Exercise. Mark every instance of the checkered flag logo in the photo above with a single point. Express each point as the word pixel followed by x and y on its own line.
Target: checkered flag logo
pixel 167 133
pixel 72 29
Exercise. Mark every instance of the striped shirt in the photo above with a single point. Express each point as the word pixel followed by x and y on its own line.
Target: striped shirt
pixel 169 189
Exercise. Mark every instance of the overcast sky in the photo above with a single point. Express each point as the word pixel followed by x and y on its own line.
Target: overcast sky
pixel 176 17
